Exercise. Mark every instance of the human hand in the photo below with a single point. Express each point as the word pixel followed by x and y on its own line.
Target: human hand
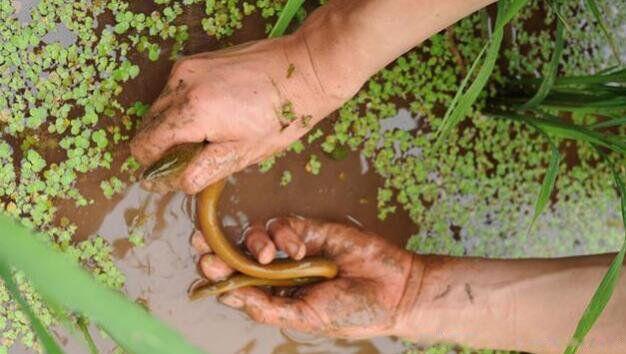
pixel 364 300
pixel 249 102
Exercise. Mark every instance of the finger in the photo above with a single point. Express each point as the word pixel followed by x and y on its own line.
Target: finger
pixel 214 268
pixel 278 311
pixel 165 129
pixel 286 238
pixel 199 243
pixel 259 244
pixel 215 162
pixel 329 239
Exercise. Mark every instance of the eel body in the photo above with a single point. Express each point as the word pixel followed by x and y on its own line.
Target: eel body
pixel 281 272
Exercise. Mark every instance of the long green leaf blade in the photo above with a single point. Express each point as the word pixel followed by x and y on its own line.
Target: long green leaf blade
pixel 614 122
pixel 552 125
pixel 64 282
pixel 593 6
pixel 604 291
pixel 557 10
pixel 552 69
pixel 547 186
pixel 513 7
pixel 506 11
pixel 47 341
pixel 286 15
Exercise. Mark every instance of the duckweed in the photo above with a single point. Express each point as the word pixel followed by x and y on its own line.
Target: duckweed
pixel 486 181
pixel 60 94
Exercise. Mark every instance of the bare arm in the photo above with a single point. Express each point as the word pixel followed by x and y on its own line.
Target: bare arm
pixel 531 305
pixel 526 304
pixel 351 40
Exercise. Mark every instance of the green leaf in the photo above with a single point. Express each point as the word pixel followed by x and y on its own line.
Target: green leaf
pixel 82 326
pixel 286 15
pixel 511 8
pixel 614 122
pixel 554 126
pixel 548 182
pixel 46 340
pixel 593 6
pixel 154 52
pixel 607 285
pixel 552 68
pixel 506 11
pixel 557 10
pixel 59 279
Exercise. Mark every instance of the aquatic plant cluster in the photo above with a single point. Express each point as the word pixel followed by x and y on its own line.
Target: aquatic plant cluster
pixel 63 66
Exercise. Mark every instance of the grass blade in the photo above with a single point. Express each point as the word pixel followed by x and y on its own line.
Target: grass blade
pixel 461 88
pixel 47 342
pixel 286 15
pixel 549 180
pixel 593 6
pixel 614 122
pixel 82 325
pixel 556 8
pixel 506 11
pixel 553 125
pixel 553 66
pixel 607 285
pixel 64 282
pixel 512 8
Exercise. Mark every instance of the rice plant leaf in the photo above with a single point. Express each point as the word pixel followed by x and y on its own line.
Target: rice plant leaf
pixel 613 122
pixel 47 341
pixel 554 126
pixel 604 291
pixel 551 71
pixel 595 10
pixel 506 11
pixel 547 186
pixel 461 88
pixel 82 325
pixel 557 10
pixel 286 15
pixel 511 9
pixel 64 282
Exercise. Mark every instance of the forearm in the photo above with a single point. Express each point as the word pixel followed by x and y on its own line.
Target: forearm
pixel 530 305
pixel 350 40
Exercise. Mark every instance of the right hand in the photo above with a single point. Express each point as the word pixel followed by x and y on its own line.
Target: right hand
pixel 234 99
pixel 366 299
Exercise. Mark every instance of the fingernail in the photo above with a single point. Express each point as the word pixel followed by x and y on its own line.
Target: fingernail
pixel 257 246
pixel 266 254
pixel 231 300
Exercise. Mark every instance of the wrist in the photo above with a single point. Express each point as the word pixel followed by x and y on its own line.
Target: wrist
pixel 406 325
pixel 329 41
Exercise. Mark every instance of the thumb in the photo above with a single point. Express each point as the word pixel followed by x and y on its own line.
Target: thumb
pixel 215 162
pixel 277 311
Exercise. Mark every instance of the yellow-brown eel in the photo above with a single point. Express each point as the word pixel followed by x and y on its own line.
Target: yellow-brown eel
pixel 281 272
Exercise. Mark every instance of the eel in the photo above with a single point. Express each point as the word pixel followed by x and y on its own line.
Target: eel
pixel 281 272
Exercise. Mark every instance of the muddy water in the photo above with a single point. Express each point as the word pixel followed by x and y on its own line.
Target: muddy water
pixel 159 272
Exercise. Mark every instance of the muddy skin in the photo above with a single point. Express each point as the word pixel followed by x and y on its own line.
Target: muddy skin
pixel 279 273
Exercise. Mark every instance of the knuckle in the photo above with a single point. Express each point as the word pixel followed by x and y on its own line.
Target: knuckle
pixel 183 66
pixel 193 94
